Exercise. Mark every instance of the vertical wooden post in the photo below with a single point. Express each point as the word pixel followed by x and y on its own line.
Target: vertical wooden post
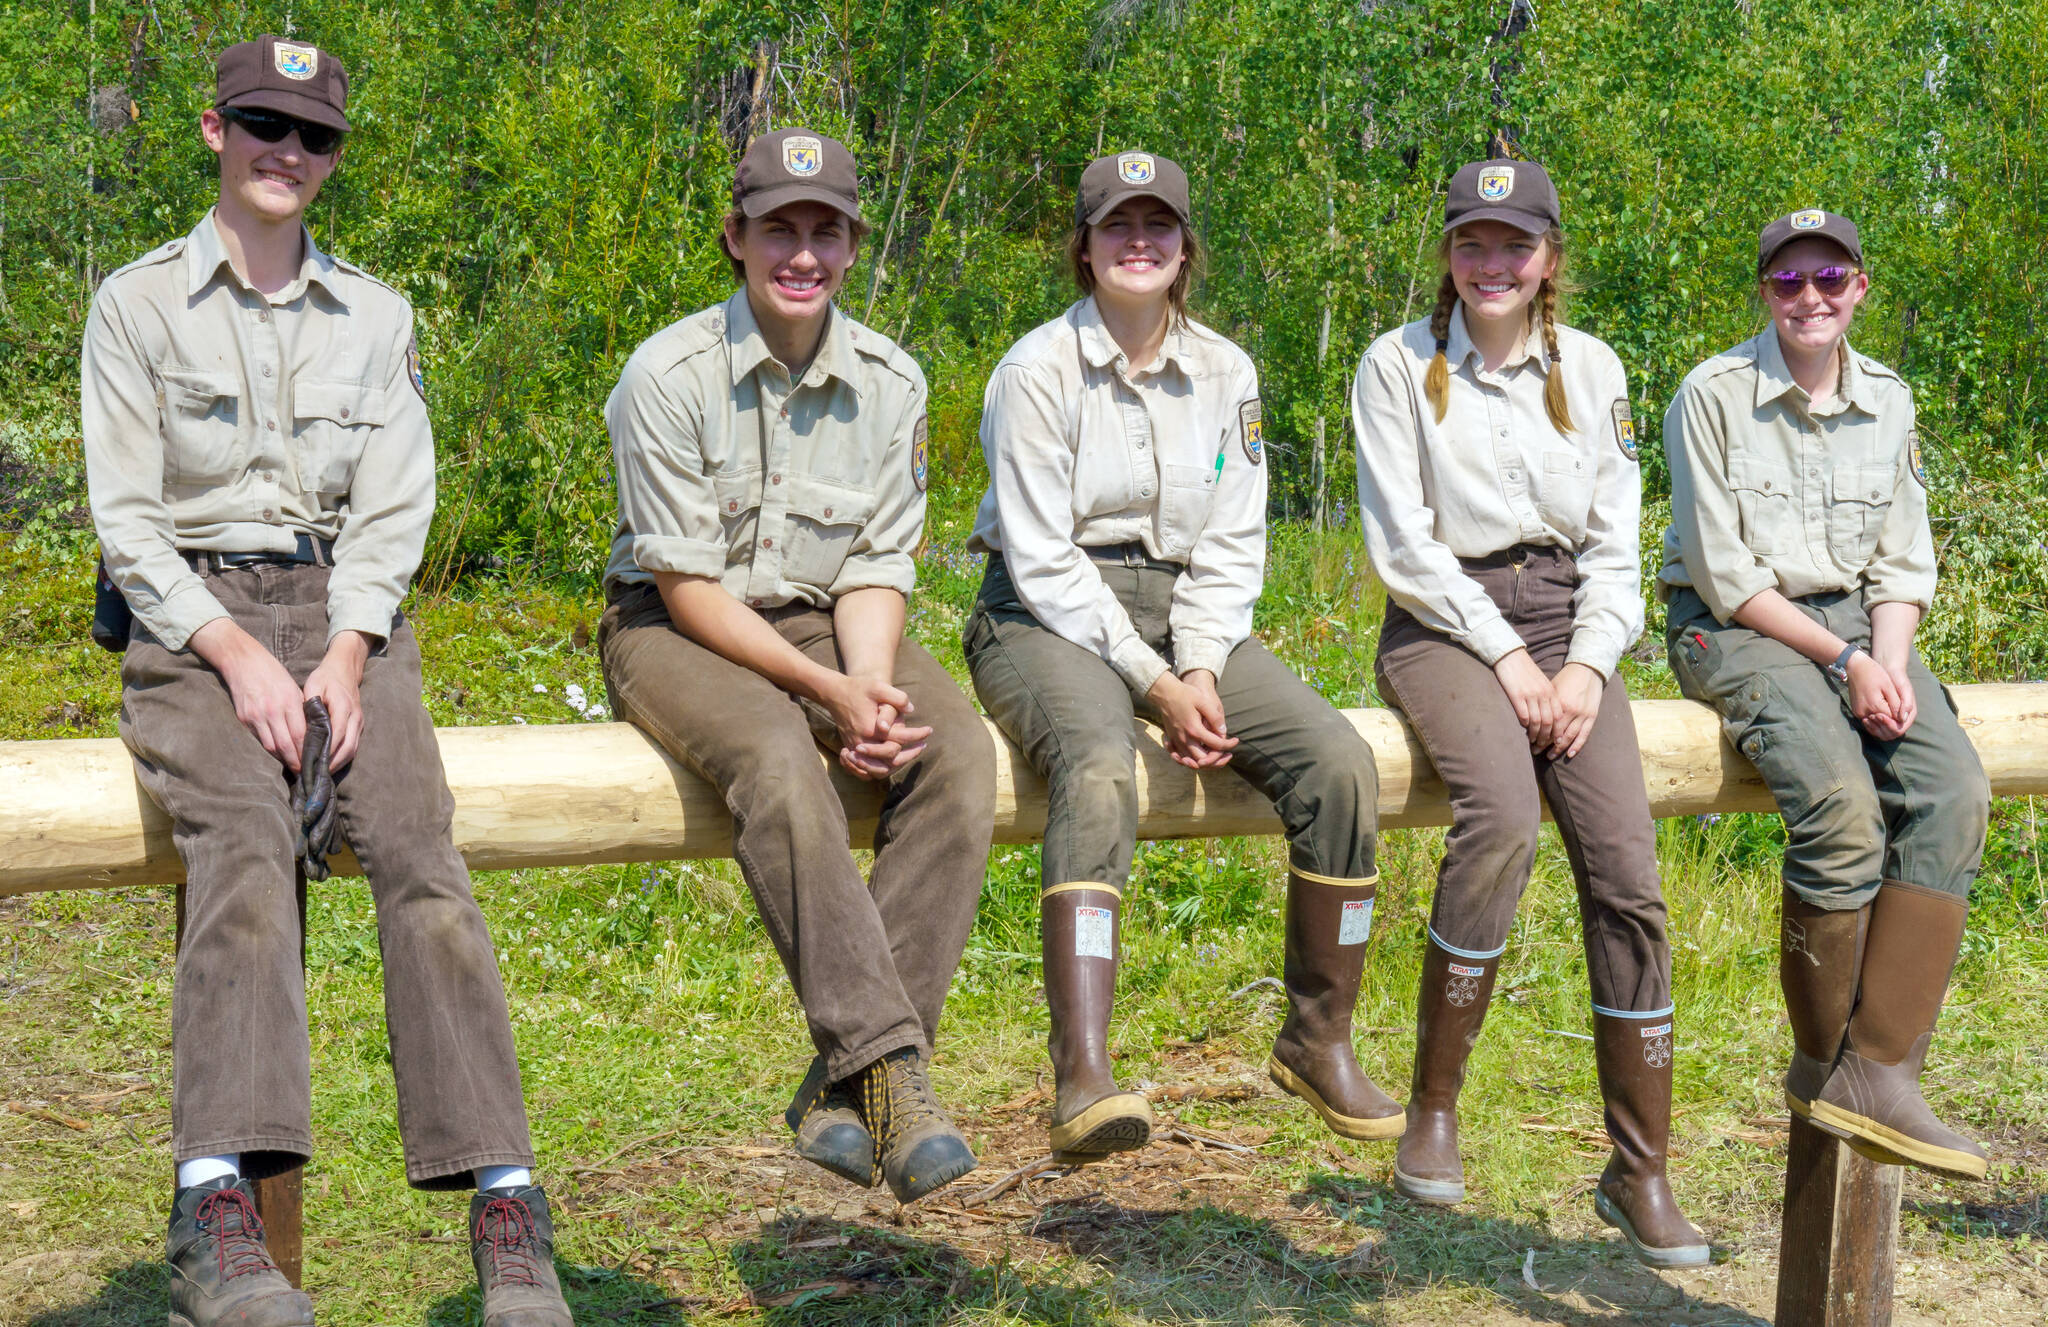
pixel 1841 1234
pixel 279 1199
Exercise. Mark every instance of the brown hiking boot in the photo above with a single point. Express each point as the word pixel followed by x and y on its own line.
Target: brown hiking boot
pixel 221 1272
pixel 1091 1116
pixel 1873 1096
pixel 1327 925
pixel 1634 1196
pixel 1820 954
pixel 1448 1015
pixel 512 1245
pixel 825 1117
pixel 918 1148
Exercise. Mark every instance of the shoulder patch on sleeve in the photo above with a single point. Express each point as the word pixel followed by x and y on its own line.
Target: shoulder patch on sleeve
pixel 1624 429
pixel 1251 427
pixel 1913 457
pixel 412 367
pixel 920 459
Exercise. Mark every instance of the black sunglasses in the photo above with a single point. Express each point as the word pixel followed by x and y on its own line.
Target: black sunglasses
pixel 319 139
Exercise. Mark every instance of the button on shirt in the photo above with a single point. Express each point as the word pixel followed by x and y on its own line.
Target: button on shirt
pixel 1495 472
pixel 1771 491
pixel 217 417
pixel 783 491
pixel 1086 450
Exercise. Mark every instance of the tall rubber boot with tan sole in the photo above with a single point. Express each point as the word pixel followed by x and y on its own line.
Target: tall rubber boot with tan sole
pixel 1873 1096
pixel 1448 1015
pixel 1634 1195
pixel 1091 1116
pixel 1820 953
pixel 1328 922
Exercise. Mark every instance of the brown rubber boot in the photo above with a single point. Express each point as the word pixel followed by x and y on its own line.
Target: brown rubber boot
pixel 1820 953
pixel 1091 1117
pixel 1327 926
pixel 1873 1097
pixel 221 1271
pixel 1634 1196
pixel 1448 1016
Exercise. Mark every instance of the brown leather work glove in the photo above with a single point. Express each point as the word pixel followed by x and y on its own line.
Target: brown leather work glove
pixel 313 794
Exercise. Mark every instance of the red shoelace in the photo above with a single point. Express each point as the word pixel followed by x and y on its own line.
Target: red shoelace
pixel 238 1233
pixel 505 1226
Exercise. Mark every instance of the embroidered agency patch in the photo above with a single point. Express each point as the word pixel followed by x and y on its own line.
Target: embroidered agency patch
pixel 920 458
pixel 802 155
pixel 1496 183
pixel 412 367
pixel 1913 456
pixel 1135 167
pixel 296 62
pixel 1625 429
pixel 1251 422
pixel 1811 218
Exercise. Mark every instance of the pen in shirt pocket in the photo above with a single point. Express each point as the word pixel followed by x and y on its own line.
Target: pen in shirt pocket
pixel 1221 452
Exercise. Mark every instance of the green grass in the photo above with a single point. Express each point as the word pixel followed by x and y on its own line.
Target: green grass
pixel 659 1043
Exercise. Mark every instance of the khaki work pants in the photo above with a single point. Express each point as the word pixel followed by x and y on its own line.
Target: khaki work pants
pixel 1498 786
pixel 241 1062
pixel 1857 810
pixel 1071 714
pixel 870 959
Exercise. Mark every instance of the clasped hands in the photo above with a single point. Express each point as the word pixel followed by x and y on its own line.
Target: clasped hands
pixel 1191 713
pixel 874 740
pixel 1556 712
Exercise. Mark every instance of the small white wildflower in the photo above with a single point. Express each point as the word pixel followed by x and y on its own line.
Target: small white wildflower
pixel 539 690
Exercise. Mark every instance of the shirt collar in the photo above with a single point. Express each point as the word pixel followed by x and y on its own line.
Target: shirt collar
pixel 1100 349
pixel 1458 345
pixel 1774 377
pixel 206 252
pixel 747 349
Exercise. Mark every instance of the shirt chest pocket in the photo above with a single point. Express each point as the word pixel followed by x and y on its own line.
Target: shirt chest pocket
pixel 202 428
pixel 1861 500
pixel 825 518
pixel 1567 494
pixel 1763 498
pixel 1184 503
pixel 738 495
pixel 332 424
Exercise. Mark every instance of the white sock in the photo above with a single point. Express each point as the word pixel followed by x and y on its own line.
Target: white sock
pixel 503 1177
pixel 201 1169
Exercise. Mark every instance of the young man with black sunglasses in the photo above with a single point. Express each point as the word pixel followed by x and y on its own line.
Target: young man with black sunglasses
pixel 262 478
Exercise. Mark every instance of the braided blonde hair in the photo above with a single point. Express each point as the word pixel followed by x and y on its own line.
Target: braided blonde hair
pixel 1436 384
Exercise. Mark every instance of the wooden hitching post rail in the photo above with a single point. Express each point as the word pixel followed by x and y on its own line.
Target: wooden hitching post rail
pixel 73 817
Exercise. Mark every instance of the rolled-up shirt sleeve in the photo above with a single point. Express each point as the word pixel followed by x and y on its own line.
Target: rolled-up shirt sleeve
pixel 1704 514
pixel 1902 566
pixel 1607 606
pixel 884 552
pixel 1418 569
pixel 664 495
pixel 124 473
pixel 1031 470
pixel 1212 600
pixel 390 507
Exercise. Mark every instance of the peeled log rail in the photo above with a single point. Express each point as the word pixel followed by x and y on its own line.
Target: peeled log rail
pixel 73 817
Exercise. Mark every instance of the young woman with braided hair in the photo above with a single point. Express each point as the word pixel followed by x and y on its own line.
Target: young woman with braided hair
pixel 1499 496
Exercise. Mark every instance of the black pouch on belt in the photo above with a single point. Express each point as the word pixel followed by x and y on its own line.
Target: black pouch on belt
pixel 110 614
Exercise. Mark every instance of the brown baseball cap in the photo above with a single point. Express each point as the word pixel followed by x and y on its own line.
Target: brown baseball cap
pixel 1107 181
pixel 1809 222
pixel 1517 192
pixel 291 78
pixel 796 166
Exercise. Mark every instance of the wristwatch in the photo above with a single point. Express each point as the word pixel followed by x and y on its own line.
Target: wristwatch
pixel 1839 669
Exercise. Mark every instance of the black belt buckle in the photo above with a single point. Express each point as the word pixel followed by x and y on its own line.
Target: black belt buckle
pixel 1518 555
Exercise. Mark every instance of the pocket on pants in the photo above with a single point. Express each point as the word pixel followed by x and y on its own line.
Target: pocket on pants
pixel 1775 737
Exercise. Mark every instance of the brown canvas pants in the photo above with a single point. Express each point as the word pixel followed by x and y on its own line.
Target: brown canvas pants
pixel 1497 787
pixel 870 959
pixel 241 1062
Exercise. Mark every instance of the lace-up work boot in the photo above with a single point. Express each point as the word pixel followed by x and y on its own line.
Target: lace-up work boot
pixel 1634 1195
pixel 512 1244
pixel 918 1148
pixel 1448 1015
pixel 221 1272
pixel 1327 926
pixel 825 1117
pixel 1091 1115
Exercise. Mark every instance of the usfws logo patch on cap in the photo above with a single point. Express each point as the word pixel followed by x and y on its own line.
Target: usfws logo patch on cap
pixel 1913 456
pixel 298 62
pixel 920 458
pixel 1810 219
pixel 1136 168
pixel 1251 421
pixel 802 155
pixel 1496 183
pixel 1625 429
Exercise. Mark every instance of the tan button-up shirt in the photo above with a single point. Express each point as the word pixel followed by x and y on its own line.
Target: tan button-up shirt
pixel 218 417
pixel 785 491
pixel 1771 492
pixel 1085 449
pixel 1495 472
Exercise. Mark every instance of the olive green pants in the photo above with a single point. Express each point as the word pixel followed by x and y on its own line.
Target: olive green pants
pixel 1857 810
pixel 1071 714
